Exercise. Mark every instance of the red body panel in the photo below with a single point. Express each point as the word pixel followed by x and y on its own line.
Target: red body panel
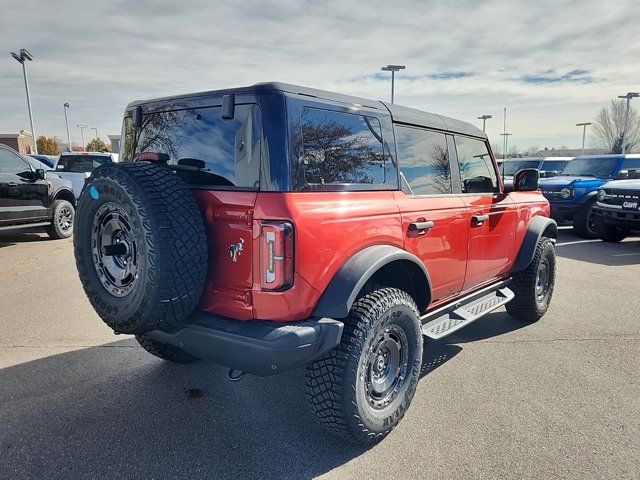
pixel 330 227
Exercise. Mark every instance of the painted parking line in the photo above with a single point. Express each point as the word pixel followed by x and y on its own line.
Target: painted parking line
pixel 577 242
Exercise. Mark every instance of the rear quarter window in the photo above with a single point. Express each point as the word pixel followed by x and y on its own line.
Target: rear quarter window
pixel 339 148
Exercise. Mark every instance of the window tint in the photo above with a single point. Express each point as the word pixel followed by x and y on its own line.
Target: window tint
pixel 423 158
pixel 591 166
pixel 213 150
pixel 554 165
pixel 12 163
pixel 80 163
pixel 631 164
pixel 477 174
pixel 341 148
pixel 511 167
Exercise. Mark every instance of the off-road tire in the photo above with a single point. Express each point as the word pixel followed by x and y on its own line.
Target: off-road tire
pixel 335 383
pixel 527 304
pixel 584 222
pixel 611 233
pixel 165 351
pixel 62 212
pixel 167 230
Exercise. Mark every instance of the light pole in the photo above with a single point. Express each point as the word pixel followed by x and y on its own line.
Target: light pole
pixel 95 130
pixel 484 120
pixel 66 121
pixel 506 145
pixel 584 132
pixel 393 69
pixel 628 96
pixel 23 56
pixel 82 127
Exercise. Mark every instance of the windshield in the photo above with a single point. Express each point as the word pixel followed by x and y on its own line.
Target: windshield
pixel 80 163
pixel 513 166
pixel 594 167
pixel 554 165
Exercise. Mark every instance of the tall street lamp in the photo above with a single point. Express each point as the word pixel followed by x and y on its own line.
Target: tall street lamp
pixel 584 132
pixel 506 146
pixel 82 127
pixel 66 121
pixel 21 57
pixel 95 130
pixel 484 120
pixel 628 96
pixel 393 69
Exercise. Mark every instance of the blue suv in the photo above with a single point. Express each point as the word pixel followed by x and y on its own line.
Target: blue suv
pixel 573 193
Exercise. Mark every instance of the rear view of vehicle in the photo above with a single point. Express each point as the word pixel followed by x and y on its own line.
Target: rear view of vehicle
pixel 77 167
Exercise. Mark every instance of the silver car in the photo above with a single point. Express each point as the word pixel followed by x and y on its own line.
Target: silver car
pixel 77 166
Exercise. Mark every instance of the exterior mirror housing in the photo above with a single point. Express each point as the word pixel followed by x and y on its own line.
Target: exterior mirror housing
pixel 40 174
pixel 526 180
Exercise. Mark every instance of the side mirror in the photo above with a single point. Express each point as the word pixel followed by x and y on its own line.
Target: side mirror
pixel 40 174
pixel 526 180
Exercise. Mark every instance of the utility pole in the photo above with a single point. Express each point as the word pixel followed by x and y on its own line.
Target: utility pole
pixel 393 69
pixel 22 57
pixel 584 132
pixel 628 96
pixel 484 120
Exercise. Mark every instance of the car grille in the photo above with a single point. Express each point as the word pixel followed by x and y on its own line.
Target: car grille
pixel 552 193
pixel 622 198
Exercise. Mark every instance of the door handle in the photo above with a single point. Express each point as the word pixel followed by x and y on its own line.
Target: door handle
pixel 421 227
pixel 479 219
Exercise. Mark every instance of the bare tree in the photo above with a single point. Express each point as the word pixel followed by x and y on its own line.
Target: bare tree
pixel 608 127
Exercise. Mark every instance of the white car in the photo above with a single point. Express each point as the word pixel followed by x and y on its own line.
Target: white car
pixel 77 166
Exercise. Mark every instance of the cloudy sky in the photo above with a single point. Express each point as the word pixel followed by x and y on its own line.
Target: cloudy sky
pixel 552 63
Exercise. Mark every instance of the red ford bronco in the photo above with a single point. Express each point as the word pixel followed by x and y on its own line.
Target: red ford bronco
pixel 275 226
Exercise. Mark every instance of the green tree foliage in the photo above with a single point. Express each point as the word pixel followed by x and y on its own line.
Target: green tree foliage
pixel 97 145
pixel 48 146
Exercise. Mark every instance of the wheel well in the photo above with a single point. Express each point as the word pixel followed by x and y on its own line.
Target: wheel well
pixel 66 195
pixel 551 231
pixel 403 275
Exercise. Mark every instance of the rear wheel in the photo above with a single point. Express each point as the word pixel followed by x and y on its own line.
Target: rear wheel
pixel 533 287
pixel 140 247
pixel 62 215
pixel 611 233
pixel 584 221
pixel 169 353
pixel 362 388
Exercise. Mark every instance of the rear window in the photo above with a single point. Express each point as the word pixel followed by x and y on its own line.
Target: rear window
pixel 342 148
pixel 80 163
pixel 211 150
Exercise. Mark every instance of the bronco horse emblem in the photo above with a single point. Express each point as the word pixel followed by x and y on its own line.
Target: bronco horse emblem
pixel 235 249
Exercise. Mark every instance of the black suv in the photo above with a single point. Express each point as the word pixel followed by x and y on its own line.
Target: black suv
pixel 31 197
pixel 617 210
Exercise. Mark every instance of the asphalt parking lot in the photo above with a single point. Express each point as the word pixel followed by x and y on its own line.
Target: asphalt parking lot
pixel 500 399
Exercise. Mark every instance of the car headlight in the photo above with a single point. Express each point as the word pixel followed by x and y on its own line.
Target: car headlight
pixel 566 193
pixel 601 194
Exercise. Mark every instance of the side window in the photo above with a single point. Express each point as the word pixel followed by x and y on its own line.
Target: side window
pixel 477 174
pixel 341 148
pixel 11 163
pixel 423 159
pixel 631 164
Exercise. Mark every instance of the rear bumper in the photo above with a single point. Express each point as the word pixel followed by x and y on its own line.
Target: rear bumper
pixel 618 216
pixel 258 347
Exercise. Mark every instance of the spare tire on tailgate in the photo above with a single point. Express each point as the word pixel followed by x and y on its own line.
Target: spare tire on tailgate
pixel 140 247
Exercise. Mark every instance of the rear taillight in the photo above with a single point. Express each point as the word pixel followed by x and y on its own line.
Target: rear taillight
pixel 276 255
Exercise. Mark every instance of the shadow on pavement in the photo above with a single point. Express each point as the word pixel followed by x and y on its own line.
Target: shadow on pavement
pixel 11 238
pixel 626 252
pixel 113 411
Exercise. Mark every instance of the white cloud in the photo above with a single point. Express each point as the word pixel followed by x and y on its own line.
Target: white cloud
pixel 98 56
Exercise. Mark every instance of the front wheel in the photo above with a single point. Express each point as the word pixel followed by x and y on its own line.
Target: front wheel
pixel 584 221
pixel 362 388
pixel 533 287
pixel 62 215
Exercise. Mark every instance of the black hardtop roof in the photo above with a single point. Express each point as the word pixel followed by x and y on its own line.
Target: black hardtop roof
pixel 399 113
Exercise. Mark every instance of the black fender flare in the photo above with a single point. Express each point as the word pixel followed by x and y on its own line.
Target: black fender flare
pixel 338 297
pixel 538 226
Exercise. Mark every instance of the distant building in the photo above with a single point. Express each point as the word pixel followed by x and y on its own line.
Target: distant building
pixel 22 142
pixel 115 143
pixel 570 152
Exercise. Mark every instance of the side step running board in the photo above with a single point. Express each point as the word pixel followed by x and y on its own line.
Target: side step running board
pixel 448 319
